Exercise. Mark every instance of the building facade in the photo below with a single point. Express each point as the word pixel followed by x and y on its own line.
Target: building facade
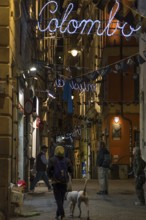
pixel 23 94
pixel 74 101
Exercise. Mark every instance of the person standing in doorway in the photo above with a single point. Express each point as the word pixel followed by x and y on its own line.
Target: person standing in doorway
pixel 103 163
pixel 138 167
pixel 58 169
pixel 41 168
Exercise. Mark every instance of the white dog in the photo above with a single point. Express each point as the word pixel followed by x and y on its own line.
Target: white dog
pixel 77 197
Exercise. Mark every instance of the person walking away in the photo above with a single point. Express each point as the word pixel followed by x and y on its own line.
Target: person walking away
pixel 41 168
pixel 58 169
pixel 103 163
pixel 138 167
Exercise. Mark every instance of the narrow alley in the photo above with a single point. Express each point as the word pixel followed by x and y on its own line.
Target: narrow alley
pixel 118 205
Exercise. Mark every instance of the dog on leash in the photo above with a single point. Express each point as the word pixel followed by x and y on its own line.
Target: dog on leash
pixel 78 197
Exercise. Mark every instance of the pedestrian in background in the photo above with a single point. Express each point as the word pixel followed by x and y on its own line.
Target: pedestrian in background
pixel 41 168
pixel 103 162
pixel 138 167
pixel 58 169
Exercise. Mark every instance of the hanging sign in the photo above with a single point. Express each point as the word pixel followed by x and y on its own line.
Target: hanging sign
pixel 73 26
pixel 82 87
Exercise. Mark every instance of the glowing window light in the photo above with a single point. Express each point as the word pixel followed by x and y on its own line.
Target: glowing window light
pixel 72 26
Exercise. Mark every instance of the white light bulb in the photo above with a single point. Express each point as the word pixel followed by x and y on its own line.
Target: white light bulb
pixel 74 53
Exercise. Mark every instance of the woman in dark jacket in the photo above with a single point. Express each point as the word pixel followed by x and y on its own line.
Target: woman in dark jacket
pixel 58 169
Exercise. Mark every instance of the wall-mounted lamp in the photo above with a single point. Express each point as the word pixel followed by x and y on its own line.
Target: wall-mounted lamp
pixel 51 95
pixel 24 76
pixel 116 119
pixel 35 78
pixel 33 68
pixel 74 52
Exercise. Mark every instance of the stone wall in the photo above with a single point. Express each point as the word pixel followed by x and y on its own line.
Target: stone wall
pixel 6 106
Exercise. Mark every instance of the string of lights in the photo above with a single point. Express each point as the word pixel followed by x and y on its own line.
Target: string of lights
pixel 137 58
pixel 101 71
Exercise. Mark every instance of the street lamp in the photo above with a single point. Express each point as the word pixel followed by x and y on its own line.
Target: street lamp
pixel 116 120
pixel 74 52
pixel 33 69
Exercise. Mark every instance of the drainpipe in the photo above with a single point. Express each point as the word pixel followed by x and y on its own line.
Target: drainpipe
pixel 122 112
pixel 130 132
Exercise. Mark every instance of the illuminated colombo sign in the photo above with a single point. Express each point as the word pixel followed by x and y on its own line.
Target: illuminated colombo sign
pixel 73 26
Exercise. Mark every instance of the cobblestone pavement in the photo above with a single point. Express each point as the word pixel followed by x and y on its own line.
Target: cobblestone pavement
pixel 118 205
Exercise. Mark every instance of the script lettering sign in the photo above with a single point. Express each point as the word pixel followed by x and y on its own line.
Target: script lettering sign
pixel 73 26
